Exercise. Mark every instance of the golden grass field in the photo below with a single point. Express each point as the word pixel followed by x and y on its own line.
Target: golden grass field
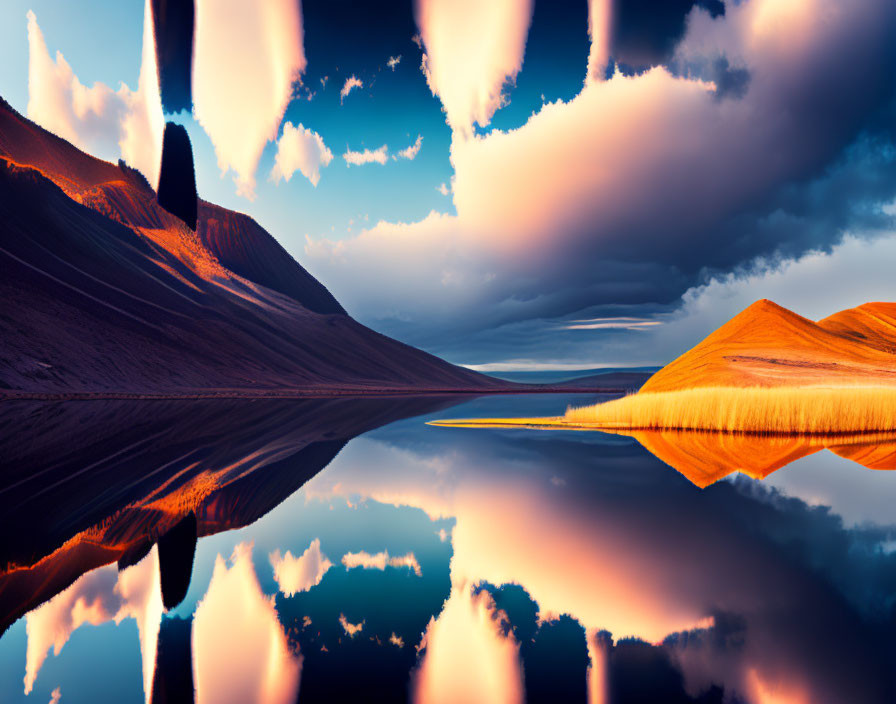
pixel 794 410
pixel 847 409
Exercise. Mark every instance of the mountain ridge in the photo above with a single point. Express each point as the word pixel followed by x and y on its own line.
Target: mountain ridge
pixel 104 292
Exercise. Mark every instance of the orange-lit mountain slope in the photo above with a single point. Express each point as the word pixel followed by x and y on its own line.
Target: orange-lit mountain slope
pixel 103 291
pixel 767 345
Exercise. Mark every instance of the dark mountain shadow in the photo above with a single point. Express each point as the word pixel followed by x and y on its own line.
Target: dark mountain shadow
pixel 83 484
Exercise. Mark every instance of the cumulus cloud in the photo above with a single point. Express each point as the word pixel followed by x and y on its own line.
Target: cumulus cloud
pixel 443 189
pixel 300 149
pixel 472 50
pixel 350 84
pixel 368 156
pixel 393 62
pixel 411 151
pixel 628 193
pixel 106 123
pixel 380 561
pixel 247 57
pixel 299 574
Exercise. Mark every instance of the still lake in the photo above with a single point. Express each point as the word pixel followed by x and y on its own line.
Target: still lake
pixel 343 550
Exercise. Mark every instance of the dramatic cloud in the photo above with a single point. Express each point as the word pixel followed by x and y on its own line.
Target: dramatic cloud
pixel 106 123
pixel 300 149
pixel 247 58
pixel 350 84
pixel 411 151
pixel 472 49
pixel 240 653
pixel 368 156
pixel 380 561
pixel 628 194
pixel 299 574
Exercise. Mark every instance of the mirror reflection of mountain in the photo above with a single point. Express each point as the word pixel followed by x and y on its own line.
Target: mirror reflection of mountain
pixel 560 566
pixel 89 483
pixel 706 457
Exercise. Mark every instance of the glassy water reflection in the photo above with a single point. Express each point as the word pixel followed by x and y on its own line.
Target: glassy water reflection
pixel 343 550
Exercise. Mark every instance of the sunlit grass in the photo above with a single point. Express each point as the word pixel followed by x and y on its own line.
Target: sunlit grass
pixel 852 409
pixel 794 410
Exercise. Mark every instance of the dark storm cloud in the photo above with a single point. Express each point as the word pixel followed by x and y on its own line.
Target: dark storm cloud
pixel 644 32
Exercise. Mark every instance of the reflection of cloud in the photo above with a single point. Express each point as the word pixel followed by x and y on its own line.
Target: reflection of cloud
pixel 380 561
pixel 95 598
pixel 98 120
pixel 240 651
pixel 469 655
pixel 299 574
pixel 300 149
pixel 247 56
pixel 644 554
pixel 351 629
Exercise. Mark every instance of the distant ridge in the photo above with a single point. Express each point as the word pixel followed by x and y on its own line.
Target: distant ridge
pixel 769 345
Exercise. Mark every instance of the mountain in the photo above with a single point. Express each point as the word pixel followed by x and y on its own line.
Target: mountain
pixel 106 292
pixel 768 345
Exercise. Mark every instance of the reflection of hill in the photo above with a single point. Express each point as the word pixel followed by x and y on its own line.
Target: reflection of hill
pixel 86 484
pixel 706 457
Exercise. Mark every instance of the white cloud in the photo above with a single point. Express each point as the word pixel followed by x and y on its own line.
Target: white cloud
pixel 472 49
pixel 600 17
pixel 368 156
pixel 106 123
pixel 393 62
pixel 350 84
pixel 300 149
pixel 443 189
pixel 411 151
pixel 247 57
pixel 299 574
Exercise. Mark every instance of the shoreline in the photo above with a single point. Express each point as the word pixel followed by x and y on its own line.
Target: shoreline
pixel 285 394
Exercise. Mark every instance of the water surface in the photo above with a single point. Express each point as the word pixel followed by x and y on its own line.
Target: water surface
pixel 344 550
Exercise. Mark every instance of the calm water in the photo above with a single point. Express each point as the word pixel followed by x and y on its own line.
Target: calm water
pixel 348 552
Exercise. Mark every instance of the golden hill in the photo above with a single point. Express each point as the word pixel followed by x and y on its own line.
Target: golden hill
pixel 767 345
